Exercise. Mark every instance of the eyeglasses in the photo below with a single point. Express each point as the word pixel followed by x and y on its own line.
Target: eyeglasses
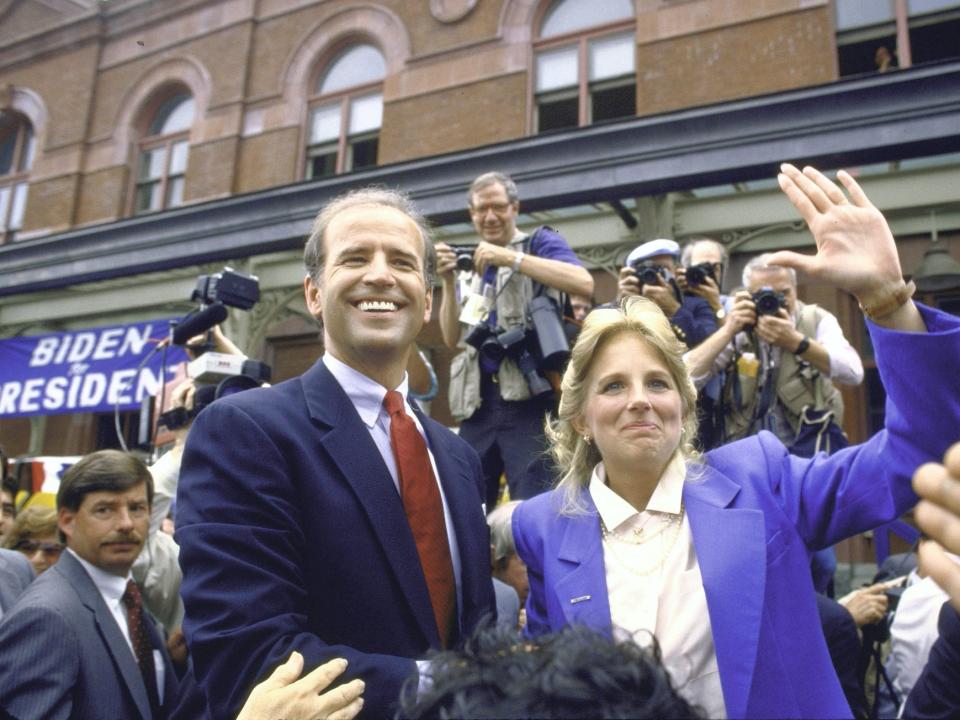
pixel 29 547
pixel 9 509
pixel 497 208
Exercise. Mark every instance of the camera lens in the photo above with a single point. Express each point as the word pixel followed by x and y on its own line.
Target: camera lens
pixel 465 262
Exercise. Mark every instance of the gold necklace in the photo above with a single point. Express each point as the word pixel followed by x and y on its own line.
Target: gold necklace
pixel 673 524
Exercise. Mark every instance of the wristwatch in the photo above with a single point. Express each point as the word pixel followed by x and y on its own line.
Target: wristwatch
pixel 721 313
pixel 803 346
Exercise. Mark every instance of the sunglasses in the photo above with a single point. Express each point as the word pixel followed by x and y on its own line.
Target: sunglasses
pixel 31 546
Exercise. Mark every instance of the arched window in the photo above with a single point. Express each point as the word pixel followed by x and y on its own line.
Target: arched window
pixel 346 110
pixel 16 157
pixel 585 63
pixel 163 155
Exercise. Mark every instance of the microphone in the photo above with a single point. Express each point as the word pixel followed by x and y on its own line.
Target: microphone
pixel 198 323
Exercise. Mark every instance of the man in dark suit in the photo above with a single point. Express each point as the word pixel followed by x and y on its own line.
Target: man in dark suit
pixel 78 644
pixel 310 515
pixel 15 575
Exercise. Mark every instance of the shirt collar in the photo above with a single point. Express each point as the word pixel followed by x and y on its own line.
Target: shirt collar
pixel 365 394
pixel 111 587
pixel 667 496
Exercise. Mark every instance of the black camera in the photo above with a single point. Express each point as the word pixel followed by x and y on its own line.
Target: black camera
pixel 698 274
pixel 229 287
pixel 495 344
pixel 464 255
pixel 649 273
pixel 769 301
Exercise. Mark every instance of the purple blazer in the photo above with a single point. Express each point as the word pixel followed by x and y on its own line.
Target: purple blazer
pixel 756 513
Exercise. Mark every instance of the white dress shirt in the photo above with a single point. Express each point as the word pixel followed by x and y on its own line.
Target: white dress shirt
pixel 111 588
pixel 367 397
pixel 655 588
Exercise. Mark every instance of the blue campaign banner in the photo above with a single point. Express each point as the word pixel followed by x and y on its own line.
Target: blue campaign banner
pixel 83 371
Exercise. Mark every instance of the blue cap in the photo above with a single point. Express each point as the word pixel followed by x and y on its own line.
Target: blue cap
pixel 652 249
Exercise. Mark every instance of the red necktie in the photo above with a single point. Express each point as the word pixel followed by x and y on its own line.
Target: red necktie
pixel 140 640
pixel 421 501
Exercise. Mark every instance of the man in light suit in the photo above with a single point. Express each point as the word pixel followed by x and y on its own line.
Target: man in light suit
pixel 292 514
pixel 69 648
pixel 15 575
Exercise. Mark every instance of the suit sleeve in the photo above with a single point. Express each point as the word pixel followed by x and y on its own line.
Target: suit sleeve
pixel 696 319
pixel 531 553
pixel 243 553
pixel 830 498
pixel 39 663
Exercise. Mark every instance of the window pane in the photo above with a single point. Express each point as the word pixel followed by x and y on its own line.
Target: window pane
pixel 359 65
pixel 4 200
pixel 29 145
pixel 363 153
pixel 611 103
pixel 322 162
pixel 570 15
pixel 936 41
pixel 151 163
pixel 8 144
pixel 611 57
pixel 174 115
pixel 861 57
pixel 557 69
pixel 860 13
pixel 325 123
pixel 19 205
pixel 556 114
pixel 174 191
pixel 178 158
pixel 918 7
pixel 366 113
pixel 148 197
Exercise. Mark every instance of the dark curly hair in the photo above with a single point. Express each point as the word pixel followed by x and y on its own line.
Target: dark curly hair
pixel 574 673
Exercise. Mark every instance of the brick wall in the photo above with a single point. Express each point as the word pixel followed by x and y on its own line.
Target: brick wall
pixel 741 60
pixel 268 160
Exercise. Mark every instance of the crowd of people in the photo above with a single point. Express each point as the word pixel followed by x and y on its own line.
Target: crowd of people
pixel 676 470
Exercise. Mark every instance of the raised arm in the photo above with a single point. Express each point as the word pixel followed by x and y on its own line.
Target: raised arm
pixel 856 251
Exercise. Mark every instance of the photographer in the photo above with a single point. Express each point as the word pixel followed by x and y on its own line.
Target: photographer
pixel 650 271
pixel 703 263
pixel 500 417
pixel 780 357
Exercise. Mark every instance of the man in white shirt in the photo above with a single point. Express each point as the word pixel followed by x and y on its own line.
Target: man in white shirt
pixel 780 356
pixel 78 643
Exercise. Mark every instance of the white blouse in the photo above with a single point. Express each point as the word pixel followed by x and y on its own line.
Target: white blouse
pixel 654 584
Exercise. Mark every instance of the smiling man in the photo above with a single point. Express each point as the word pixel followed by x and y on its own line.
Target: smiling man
pixel 326 514
pixel 78 643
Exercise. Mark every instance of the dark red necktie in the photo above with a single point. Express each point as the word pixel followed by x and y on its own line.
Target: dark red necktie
pixel 140 640
pixel 421 501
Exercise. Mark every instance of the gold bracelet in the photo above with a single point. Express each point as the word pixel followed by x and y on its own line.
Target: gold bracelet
pixel 892 303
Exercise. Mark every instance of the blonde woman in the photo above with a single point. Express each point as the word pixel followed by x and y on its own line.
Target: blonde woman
pixel 710 554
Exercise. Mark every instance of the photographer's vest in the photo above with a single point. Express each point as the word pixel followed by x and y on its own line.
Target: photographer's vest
pixel 513 298
pixel 798 385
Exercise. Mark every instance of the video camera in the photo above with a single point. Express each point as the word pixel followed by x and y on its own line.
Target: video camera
pixel 769 301
pixel 544 347
pixel 216 374
pixel 464 255
pixel 698 274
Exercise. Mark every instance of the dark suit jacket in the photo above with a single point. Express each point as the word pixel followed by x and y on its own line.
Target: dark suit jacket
pixel 62 654
pixel 15 575
pixel 696 318
pixel 936 693
pixel 755 514
pixel 293 537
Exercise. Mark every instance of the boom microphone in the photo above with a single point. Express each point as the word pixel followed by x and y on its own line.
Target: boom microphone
pixel 202 321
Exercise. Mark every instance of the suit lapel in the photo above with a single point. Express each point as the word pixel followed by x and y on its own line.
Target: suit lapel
pixel 349 446
pixel 731 551
pixel 582 592
pixel 109 631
